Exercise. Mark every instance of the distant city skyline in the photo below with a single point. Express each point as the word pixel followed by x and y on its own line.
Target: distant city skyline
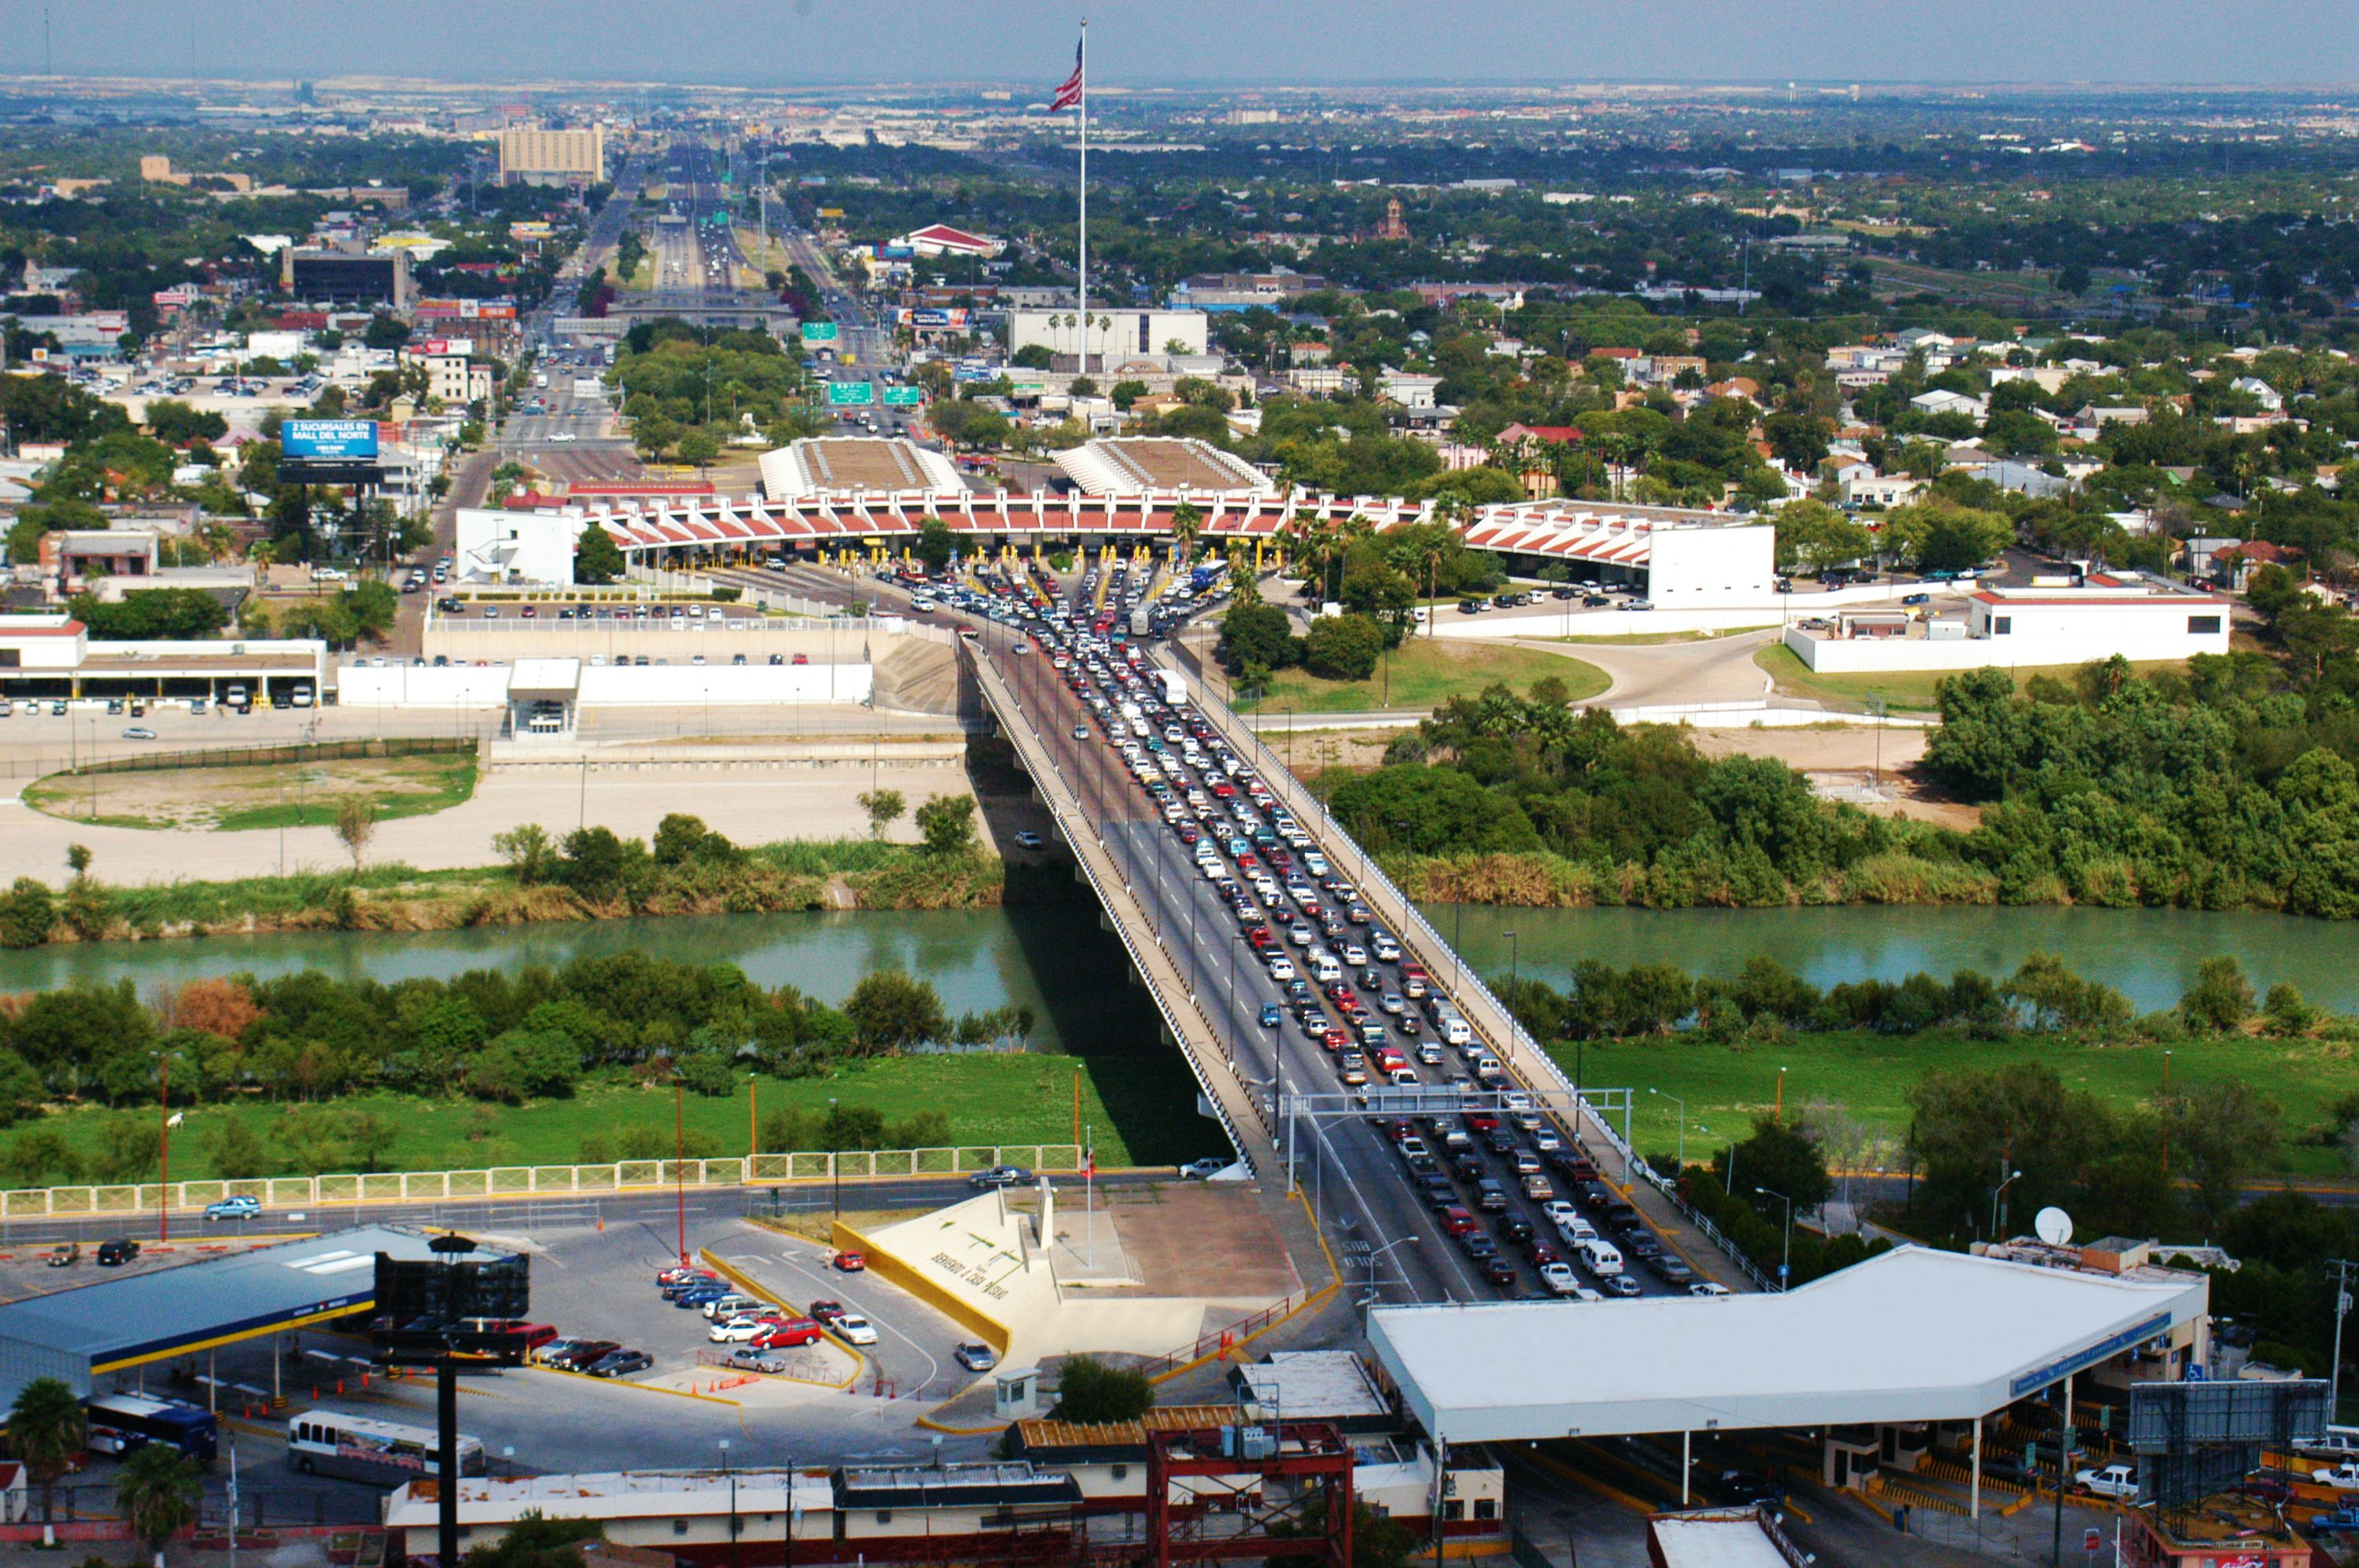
pixel 790 43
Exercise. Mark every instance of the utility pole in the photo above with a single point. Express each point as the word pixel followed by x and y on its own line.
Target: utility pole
pixel 2341 1267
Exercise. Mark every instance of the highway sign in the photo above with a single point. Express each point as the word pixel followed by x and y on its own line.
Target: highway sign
pixel 818 332
pixel 850 394
pixel 904 397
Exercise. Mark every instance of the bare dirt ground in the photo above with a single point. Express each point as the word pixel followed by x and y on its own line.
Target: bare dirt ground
pixel 205 797
pixel 1843 763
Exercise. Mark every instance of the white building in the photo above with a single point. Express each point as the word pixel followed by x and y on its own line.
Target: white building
pixel 1945 402
pixel 835 464
pixel 1114 335
pixel 1679 560
pixel 2141 619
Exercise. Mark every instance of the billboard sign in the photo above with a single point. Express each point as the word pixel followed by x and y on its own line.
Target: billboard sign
pixel 904 397
pixel 818 332
pixel 345 439
pixel 955 319
pixel 850 394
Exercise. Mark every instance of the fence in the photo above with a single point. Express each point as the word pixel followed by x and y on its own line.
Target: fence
pixel 526 1180
pixel 1217 1341
pixel 292 753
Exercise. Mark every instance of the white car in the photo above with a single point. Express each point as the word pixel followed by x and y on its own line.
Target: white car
pixel 738 1330
pixel 2342 1477
pixel 2117 1481
pixel 565 435
pixel 853 1329
pixel 1706 1287
pixel 1560 1213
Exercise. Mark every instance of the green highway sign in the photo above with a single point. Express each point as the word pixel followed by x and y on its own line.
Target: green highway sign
pixel 904 397
pixel 850 394
pixel 818 332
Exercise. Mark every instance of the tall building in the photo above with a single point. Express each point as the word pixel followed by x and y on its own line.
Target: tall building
pixel 346 277
pixel 532 155
pixel 1393 228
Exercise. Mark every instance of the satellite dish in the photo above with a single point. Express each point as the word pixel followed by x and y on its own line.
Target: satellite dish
pixel 2054 1227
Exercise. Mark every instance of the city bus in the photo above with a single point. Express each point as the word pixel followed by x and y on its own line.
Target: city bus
pixel 117 1424
pixel 355 1448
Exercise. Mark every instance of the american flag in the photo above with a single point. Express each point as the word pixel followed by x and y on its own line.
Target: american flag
pixel 1071 92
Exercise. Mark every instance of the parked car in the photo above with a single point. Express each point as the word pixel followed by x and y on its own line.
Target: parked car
pixel 825 1313
pixel 975 1358
pixel 116 1250
pixel 853 1329
pixel 792 1332
pixel 65 1255
pixel 2342 1477
pixel 1203 1170
pixel 742 1330
pixel 582 1355
pixel 616 1362
pixel 244 1205
pixel 752 1360
pixel 850 1262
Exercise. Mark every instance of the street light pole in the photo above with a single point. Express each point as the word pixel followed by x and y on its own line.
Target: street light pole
pixel 2005 1183
pixel 1683 1125
pixel 834 1159
pixel 1785 1266
pixel 680 1163
pixel 163 1145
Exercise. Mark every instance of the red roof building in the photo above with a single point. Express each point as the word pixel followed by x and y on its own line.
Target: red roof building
pixel 941 239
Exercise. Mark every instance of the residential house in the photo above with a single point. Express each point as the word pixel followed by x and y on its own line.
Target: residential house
pixel 1882 490
pixel 2260 392
pixel 1946 402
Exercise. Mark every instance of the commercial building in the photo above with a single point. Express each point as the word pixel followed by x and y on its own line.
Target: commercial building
pixel 1112 335
pixel 530 154
pixel 81 1336
pixel 941 240
pixel 330 278
pixel 2138 617
pixel 1679 560
pixel 53 658
pixel 750 1516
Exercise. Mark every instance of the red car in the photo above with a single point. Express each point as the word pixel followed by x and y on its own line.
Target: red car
pixel 1482 1121
pixel 851 1262
pixel 1458 1222
pixel 788 1335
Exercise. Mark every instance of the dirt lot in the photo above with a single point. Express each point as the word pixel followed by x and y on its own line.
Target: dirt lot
pixel 234 798
pixel 1842 761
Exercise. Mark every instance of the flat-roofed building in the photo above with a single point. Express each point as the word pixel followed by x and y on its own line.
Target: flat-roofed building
pixel 532 154
pixel 824 464
pixel 1114 335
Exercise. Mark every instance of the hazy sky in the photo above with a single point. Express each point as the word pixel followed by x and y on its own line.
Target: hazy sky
pixel 790 42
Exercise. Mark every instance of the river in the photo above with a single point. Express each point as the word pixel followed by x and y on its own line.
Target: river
pixel 1056 960
pixel 2148 955
pixel 1050 957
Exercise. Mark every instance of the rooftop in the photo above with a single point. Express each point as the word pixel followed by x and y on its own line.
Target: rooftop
pixel 1312 1385
pixel 1157 462
pixel 623 1494
pixel 138 1318
pixel 1914 1335
pixel 943 1486
pixel 854 462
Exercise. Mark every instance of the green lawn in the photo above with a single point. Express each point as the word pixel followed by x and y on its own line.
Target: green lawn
pixel 230 797
pixel 1002 1098
pixel 1870 1076
pixel 1426 671
pixel 1906 692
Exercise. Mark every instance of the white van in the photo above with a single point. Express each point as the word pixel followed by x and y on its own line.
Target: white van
pixel 1600 1258
pixel 1324 968
pixel 1487 1067
pixel 1455 1030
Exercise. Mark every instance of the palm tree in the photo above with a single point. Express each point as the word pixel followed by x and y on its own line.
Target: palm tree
pixel 1186 522
pixel 45 1427
pixel 157 1488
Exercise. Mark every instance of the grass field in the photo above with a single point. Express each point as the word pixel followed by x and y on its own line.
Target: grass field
pixel 1426 671
pixel 1870 1076
pixel 1003 1098
pixel 1906 692
pixel 226 799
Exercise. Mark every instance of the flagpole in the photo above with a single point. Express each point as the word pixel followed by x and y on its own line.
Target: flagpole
pixel 1081 275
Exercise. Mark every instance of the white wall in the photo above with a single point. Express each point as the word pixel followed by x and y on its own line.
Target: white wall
pixel 612 685
pixel 408 686
pixel 1709 567
pixel 1113 343
pixel 517 547
pixel 1886 655
pixel 608 686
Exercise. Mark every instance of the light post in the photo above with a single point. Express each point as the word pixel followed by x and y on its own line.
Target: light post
pixel 730 1471
pixel 834 1159
pixel 1786 1265
pixel 163 1144
pixel 1513 968
pixel 1370 1299
pixel 680 1163
pixel 1683 1126
pixel 1996 1198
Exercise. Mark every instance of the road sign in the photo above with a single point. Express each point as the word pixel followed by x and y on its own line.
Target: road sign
pixel 850 394
pixel 818 332
pixel 904 397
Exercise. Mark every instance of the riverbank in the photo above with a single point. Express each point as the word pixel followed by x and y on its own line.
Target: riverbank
pixel 843 874
pixel 983 1098
pixel 1540 879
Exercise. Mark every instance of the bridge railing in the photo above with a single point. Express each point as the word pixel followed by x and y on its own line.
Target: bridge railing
pixel 992 678
pixel 1414 930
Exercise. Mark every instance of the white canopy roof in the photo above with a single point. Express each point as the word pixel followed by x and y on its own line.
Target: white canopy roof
pixel 1914 1335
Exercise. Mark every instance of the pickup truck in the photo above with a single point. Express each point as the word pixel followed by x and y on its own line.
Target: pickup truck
pixel 2342 1477
pixel 2118 1481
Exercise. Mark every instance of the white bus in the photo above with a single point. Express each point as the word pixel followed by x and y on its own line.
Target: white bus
pixel 357 1448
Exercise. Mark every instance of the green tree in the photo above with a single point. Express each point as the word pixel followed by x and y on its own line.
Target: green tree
pixel 46 1431
pixel 238 1150
pixel 1089 1391
pixel 535 1540
pixel 355 825
pixel 947 823
pixel 891 1011
pixel 1343 647
pixel 597 559
pixel 370 1138
pixel 2221 999
pixel 1259 634
pixel 698 448
pixel 883 807
pixel 529 853
pixel 1032 356
pixel 597 862
pixel 1783 1157
pixel 2221 1135
pixel 157 1487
